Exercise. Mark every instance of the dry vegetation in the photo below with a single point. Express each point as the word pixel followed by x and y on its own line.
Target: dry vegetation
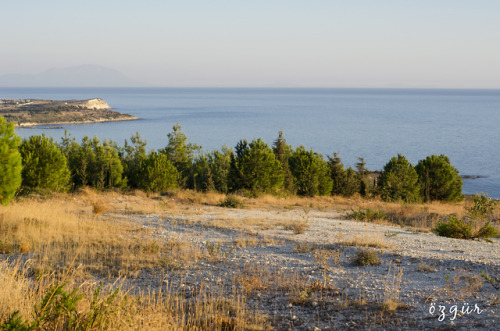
pixel 85 240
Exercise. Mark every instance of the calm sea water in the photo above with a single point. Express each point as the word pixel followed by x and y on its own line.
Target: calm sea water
pixel 376 124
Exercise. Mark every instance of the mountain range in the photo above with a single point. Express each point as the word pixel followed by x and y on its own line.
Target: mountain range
pixel 87 75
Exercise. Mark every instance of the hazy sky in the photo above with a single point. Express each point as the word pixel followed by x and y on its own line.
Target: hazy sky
pixel 348 43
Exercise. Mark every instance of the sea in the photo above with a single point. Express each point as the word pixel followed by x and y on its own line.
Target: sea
pixel 375 124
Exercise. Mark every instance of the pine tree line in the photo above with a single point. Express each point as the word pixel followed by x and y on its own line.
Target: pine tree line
pixel 40 165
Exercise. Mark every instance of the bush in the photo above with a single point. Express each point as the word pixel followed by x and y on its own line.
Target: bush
pixel 464 229
pixel 10 162
pixel 231 202
pixel 365 257
pixel 438 179
pixel 482 208
pixel 399 181
pixel 44 166
pixel 454 228
pixel 368 215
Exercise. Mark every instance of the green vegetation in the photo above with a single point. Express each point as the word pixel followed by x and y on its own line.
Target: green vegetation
pixel 45 168
pixel 476 226
pixel 311 173
pixel 399 181
pixel 366 257
pixel 252 168
pixel 10 162
pixel 231 202
pixel 158 173
pixel 255 168
pixel 438 179
pixel 367 215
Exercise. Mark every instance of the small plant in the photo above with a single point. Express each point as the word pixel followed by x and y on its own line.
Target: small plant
pixel 216 252
pixel 454 228
pixel 367 215
pixel 366 257
pixel 298 227
pixel 494 281
pixel 231 202
pixel 464 229
pixel 303 247
pixel 482 208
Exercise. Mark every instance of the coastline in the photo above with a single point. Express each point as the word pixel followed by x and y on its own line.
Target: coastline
pixel 33 125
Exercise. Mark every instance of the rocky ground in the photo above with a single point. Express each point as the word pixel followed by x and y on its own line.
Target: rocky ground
pixel 296 266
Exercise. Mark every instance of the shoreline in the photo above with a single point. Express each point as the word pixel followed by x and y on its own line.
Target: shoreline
pixel 33 125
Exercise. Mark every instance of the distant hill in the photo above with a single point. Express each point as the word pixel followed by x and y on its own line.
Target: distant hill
pixel 86 75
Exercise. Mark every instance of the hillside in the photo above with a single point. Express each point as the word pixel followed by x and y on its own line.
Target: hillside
pixel 31 112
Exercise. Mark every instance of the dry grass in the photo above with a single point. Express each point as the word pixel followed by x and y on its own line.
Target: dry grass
pixel 244 241
pixel 49 232
pixel 371 239
pixel 298 227
pixel 55 228
pixel 168 310
pixel 392 286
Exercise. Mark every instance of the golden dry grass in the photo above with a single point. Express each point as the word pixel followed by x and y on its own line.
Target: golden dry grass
pixel 50 232
pixel 371 239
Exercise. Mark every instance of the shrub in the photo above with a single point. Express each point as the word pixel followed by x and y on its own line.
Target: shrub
pixel 482 208
pixel 454 228
pixel 10 162
pixel 365 257
pixel 368 215
pixel 464 229
pixel 399 181
pixel 311 173
pixel 438 179
pixel 231 202
pixel 44 166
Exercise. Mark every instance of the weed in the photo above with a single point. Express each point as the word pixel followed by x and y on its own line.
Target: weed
pixel 392 286
pixel 303 247
pixel 231 202
pixel 298 227
pixel 366 257
pixel 482 208
pixel 216 252
pixel 424 267
pixel 464 229
pixel 494 281
pixel 367 215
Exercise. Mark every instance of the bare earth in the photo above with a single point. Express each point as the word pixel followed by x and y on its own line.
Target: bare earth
pixel 423 282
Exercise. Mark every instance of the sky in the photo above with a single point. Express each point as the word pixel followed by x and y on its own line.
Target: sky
pixel 272 43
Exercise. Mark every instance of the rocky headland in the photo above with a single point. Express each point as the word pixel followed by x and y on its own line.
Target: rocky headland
pixel 33 112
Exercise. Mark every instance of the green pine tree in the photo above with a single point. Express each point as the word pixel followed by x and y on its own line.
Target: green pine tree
pixel 10 162
pixel 45 167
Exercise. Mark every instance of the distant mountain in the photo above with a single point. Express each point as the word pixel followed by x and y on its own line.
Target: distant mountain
pixel 87 75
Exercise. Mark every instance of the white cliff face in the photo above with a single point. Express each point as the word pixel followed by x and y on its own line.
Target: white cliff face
pixel 94 104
